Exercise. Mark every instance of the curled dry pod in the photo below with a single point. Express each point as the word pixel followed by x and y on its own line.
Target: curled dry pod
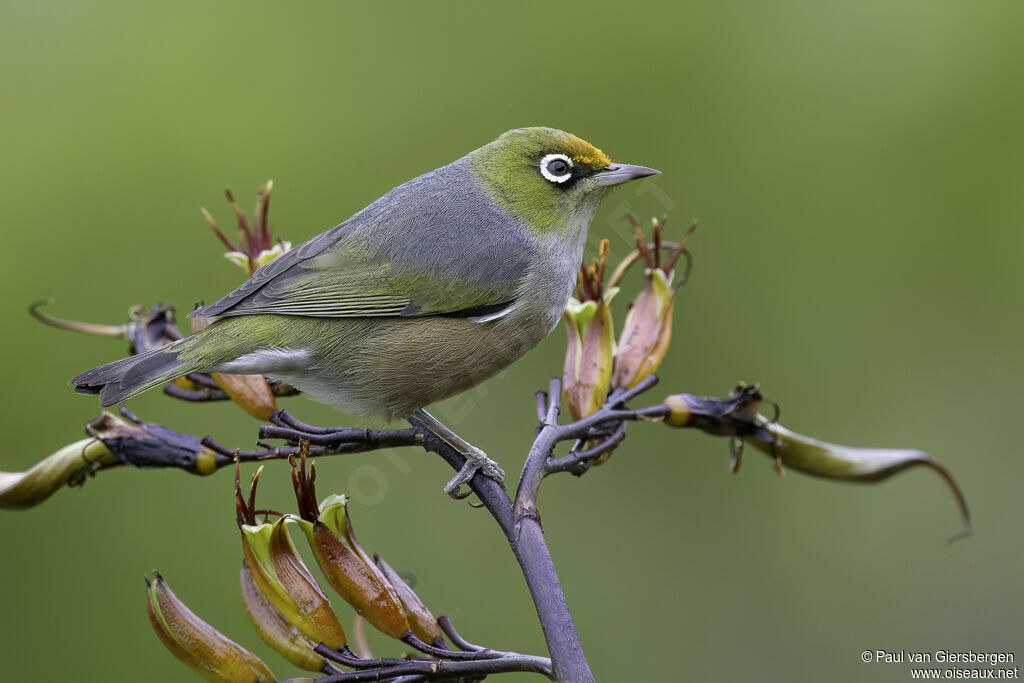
pixel 201 647
pixel 281 575
pixel 421 621
pixel 738 417
pixel 351 572
pixel 68 465
pixel 832 461
pixel 275 630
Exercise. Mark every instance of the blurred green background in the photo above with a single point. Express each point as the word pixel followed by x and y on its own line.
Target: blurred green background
pixel 857 171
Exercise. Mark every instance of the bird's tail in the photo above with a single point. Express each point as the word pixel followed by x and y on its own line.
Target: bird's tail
pixel 122 379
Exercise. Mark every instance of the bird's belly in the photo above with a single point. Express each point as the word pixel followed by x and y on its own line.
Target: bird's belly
pixel 408 363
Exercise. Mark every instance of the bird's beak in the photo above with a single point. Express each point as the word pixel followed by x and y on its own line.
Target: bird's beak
pixel 615 174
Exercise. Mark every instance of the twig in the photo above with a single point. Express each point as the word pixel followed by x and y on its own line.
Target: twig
pixel 441 653
pixel 620 397
pixel 579 462
pixel 439 669
pixel 449 630
pixel 541 398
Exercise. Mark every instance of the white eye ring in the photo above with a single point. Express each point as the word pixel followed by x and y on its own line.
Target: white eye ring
pixel 551 176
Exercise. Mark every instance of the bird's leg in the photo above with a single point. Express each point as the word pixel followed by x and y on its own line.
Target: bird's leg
pixel 476 459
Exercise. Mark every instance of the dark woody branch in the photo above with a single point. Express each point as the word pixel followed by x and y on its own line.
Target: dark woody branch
pixel 150 445
pixel 126 440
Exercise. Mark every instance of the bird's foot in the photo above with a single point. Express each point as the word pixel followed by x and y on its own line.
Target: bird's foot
pixel 476 461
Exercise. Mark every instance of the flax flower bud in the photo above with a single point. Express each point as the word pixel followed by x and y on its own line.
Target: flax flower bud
pixel 277 570
pixel 586 377
pixel 348 568
pixel 647 331
pixel 281 575
pixel 351 572
pixel 421 620
pixel 275 630
pixel 201 647
pixel 250 392
pixel 648 328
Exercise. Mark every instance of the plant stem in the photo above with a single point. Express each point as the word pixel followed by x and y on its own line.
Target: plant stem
pixel 568 662
pixel 526 539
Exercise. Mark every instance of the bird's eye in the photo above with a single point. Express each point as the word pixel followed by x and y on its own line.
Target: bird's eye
pixel 556 167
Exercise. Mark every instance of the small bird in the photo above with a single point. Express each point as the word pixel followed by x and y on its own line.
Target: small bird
pixel 428 291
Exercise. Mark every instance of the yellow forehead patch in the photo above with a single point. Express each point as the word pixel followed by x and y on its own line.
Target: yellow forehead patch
pixel 588 160
pixel 582 152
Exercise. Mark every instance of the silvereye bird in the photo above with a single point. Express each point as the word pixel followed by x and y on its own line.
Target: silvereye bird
pixel 428 291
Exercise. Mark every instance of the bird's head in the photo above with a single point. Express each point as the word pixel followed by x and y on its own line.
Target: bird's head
pixel 545 176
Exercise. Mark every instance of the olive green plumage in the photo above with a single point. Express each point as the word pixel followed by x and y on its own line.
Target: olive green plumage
pixel 428 291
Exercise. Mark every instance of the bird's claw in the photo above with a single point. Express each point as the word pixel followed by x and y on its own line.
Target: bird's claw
pixel 476 460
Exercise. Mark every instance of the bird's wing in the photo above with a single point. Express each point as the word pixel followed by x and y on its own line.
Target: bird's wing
pixel 429 247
